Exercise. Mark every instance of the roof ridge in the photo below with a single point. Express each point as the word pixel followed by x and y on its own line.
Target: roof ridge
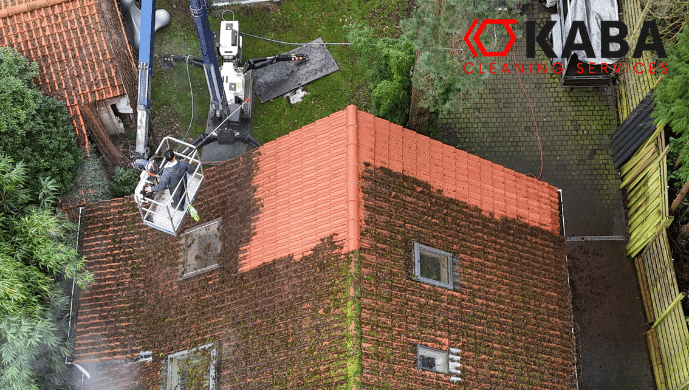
pixel 352 177
pixel 28 7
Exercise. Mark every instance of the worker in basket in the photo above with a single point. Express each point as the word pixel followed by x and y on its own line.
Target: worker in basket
pixel 174 172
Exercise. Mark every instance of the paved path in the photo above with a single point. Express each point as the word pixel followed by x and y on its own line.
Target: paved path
pixel 575 127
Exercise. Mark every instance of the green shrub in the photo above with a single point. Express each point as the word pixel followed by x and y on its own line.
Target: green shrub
pixel 390 64
pixel 124 181
pixel 34 128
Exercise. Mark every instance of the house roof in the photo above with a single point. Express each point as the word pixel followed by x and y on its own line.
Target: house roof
pixel 298 197
pixel 308 181
pixel 79 45
pixel 633 132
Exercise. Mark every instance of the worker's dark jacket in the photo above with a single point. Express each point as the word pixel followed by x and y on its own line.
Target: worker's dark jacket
pixel 171 177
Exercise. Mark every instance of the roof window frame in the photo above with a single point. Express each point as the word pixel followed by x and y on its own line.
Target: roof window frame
pixel 418 247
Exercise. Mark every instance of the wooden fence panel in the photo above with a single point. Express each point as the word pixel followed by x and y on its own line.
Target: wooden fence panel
pixel 659 289
pixel 643 179
pixel 633 86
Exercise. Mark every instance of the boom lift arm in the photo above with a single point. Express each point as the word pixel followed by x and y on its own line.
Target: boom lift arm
pixel 168 61
pixel 230 89
pixel 219 108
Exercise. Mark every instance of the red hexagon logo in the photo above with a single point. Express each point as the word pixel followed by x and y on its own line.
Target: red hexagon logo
pixel 477 41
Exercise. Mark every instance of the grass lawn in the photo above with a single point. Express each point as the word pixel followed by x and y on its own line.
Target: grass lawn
pixel 290 21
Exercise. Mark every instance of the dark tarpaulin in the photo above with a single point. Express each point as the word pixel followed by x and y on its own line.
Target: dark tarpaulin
pixel 282 77
pixel 633 132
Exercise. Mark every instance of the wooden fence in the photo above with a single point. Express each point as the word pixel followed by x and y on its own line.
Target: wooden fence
pixel 668 341
pixel 632 87
pixel 644 179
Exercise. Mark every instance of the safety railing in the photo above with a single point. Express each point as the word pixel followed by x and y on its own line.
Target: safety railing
pixel 158 211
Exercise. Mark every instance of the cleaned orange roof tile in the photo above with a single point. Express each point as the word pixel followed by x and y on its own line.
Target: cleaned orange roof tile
pixel 308 182
pixel 492 188
pixel 79 45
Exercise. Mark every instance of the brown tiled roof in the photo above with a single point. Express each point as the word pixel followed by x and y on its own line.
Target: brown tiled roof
pixel 291 211
pixel 509 312
pixel 79 45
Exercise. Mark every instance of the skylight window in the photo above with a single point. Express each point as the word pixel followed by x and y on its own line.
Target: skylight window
pixel 433 266
pixel 194 369
pixel 443 362
pixel 432 359
pixel 201 247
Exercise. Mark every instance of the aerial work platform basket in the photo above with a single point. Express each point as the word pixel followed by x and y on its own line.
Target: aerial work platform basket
pixel 157 210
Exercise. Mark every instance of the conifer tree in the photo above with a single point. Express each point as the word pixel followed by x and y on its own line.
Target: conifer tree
pixel 437 28
pixel 671 106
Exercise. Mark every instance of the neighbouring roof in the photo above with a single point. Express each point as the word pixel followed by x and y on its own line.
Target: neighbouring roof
pixel 633 132
pixel 79 45
pixel 289 213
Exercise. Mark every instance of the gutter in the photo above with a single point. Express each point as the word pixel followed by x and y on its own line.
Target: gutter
pixel 71 309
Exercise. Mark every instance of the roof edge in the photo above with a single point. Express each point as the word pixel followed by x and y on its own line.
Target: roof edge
pixel 352 177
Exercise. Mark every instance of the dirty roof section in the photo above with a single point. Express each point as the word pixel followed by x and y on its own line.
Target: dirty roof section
pixel 79 45
pixel 509 310
pixel 633 132
pixel 283 317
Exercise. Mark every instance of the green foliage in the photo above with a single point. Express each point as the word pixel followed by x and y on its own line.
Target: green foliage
pixel 33 258
pixel 34 349
pixel 389 63
pixel 13 196
pixel 34 128
pixel 671 106
pixel 437 27
pixel 672 96
pixel 31 252
pixel 124 181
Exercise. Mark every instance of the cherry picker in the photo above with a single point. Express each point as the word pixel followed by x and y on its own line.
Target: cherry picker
pixel 230 89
